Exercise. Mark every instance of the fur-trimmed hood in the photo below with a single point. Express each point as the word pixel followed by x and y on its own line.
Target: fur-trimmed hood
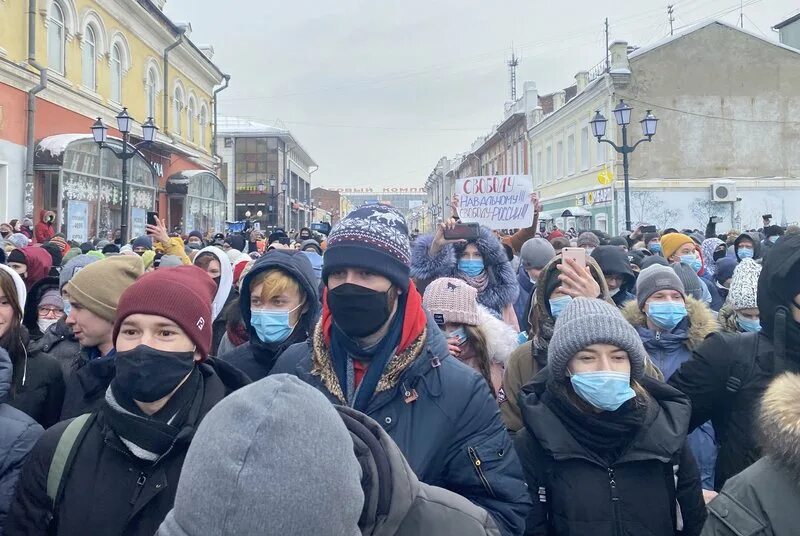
pixel 780 422
pixel 727 319
pixel 502 289
pixel 501 339
pixel 701 320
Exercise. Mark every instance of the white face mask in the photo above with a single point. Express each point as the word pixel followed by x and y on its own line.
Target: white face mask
pixel 45 323
pixel 614 292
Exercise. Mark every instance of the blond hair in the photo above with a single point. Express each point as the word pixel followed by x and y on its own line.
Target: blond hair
pixel 277 282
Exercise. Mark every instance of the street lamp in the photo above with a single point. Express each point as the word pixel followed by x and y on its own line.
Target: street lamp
pixel 273 196
pixel 622 115
pixel 100 134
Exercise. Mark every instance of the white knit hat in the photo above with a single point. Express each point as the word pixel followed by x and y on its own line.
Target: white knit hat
pixel 451 301
pixel 743 293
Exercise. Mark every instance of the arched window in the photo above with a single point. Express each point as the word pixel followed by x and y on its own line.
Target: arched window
pixel 116 73
pixel 190 113
pixel 89 59
pixel 177 107
pixel 150 90
pixel 56 38
pixel 203 124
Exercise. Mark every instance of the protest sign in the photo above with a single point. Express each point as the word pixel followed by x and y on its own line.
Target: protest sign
pixel 498 202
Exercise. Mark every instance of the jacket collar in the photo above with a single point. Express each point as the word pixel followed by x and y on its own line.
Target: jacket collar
pixel 701 320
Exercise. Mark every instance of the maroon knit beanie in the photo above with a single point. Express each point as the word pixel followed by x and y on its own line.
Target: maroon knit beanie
pixel 182 293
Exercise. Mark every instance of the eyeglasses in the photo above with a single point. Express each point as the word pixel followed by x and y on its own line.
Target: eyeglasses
pixel 50 312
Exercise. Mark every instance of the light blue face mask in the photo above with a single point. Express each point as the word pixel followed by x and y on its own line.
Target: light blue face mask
pixel 747 324
pixel 67 307
pixel 271 326
pixel 773 239
pixel 666 314
pixel 459 333
pixel 746 253
pixel 692 260
pixel 604 390
pixel 471 267
pixel 655 247
pixel 557 305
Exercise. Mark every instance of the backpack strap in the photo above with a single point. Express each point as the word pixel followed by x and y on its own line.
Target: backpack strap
pixel 64 455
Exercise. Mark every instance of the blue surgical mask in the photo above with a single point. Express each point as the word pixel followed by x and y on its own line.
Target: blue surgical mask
pixel 692 260
pixel 67 307
pixel 604 390
pixel 271 326
pixel 522 337
pixel 459 333
pixel 471 267
pixel 557 305
pixel 747 324
pixel 655 247
pixel 746 253
pixel 773 239
pixel 666 314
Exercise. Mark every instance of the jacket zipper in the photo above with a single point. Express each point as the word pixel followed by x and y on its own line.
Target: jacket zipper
pixel 614 502
pixel 477 463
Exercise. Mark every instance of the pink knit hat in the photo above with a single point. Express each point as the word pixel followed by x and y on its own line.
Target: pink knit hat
pixel 451 300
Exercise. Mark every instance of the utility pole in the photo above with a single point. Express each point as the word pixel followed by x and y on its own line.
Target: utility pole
pixel 608 61
pixel 671 13
pixel 741 14
pixel 512 67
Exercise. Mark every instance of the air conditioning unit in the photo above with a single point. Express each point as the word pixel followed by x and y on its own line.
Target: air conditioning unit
pixel 723 191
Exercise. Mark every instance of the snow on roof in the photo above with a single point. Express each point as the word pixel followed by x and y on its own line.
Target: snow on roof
pixel 58 143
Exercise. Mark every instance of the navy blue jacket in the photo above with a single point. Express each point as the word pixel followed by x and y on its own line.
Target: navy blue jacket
pixel 452 434
pixel 522 307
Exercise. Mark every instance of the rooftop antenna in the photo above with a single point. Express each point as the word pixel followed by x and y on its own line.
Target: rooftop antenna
pixel 608 61
pixel 741 14
pixel 512 67
pixel 670 14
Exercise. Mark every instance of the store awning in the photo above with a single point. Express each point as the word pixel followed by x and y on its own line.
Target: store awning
pixel 178 183
pixel 573 212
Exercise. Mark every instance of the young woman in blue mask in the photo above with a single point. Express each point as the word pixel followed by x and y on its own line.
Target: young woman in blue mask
pixel 482 263
pixel 740 314
pixel 604 445
pixel 279 303
pixel 671 325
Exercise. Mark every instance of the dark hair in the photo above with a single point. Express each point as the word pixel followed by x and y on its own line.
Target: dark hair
pixel 204 259
pixel 15 338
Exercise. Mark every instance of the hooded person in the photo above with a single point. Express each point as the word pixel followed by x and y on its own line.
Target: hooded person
pixel 44 230
pixel 533 256
pixel 376 350
pixel 18 435
pixel 724 275
pixel 55 254
pixel 43 308
pixel 352 472
pixel 279 306
pixel 37 386
pixel 313 251
pixel 6 230
pixel 620 279
pixel 740 312
pixel 692 284
pixel 304 234
pixel 712 250
pixel 763 498
pixel 234 241
pixel 196 238
pixel 141 244
pixel 772 233
pixel 747 246
pixel 482 263
pixel 604 445
pixel 729 372
pixel 123 464
pixel 217 265
pixel 671 324
pixel 32 263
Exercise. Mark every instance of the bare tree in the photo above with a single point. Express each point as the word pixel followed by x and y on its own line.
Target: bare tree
pixel 703 209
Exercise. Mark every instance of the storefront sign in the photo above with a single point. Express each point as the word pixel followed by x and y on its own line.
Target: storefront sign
pixel 605 177
pixel 380 191
pixel 138 218
pixel 78 221
pixel 498 202
pixel 594 198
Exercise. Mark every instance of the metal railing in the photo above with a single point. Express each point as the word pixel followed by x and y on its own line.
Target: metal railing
pixel 598 70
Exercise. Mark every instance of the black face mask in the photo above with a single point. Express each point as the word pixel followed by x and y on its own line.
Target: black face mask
pixel 146 374
pixel 5 234
pixel 720 254
pixel 357 310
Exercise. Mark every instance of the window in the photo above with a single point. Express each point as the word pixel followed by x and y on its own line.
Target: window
pixel 56 38
pixel 571 154
pixel 150 91
pixel 601 154
pixel 176 110
pixel 89 60
pixel 203 124
pixel 560 159
pixel 585 148
pixel 116 74
pixel 539 177
pixel 190 111
pixel 549 164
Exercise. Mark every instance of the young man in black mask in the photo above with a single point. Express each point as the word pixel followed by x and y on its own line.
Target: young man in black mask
pixel 120 464
pixel 377 351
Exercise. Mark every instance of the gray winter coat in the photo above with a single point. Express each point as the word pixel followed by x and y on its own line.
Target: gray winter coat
pixel 763 499
pixel 18 435
pixel 59 343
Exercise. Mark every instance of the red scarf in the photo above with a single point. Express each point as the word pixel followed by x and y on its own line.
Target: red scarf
pixel 414 319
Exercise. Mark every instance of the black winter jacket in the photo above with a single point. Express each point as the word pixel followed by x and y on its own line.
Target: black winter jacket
pixel 576 492
pixel 59 343
pixel 87 383
pixel 106 489
pixel 40 392
pixel 256 358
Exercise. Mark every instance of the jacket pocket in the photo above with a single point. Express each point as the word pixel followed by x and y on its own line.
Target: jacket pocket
pixel 485 458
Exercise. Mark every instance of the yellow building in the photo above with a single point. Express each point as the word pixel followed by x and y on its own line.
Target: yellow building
pixel 94 57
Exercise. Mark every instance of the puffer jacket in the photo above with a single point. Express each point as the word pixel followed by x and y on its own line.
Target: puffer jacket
pixel 18 434
pixel 522 305
pixel 577 492
pixel 256 358
pixel 451 433
pixel 43 230
pixel 59 343
pixel 762 500
pixel 502 289
pixel 669 350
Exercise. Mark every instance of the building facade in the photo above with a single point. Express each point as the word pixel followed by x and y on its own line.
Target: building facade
pixel 267 171
pixel 330 201
pixel 63 64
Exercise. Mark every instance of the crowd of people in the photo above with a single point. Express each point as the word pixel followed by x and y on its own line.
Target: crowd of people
pixel 372 381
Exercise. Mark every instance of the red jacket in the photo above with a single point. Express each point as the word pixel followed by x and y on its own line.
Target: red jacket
pixel 44 231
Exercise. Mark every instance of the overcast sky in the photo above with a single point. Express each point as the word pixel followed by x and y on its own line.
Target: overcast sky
pixel 378 90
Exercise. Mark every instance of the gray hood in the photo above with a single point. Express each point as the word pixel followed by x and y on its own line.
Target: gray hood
pixel 273 458
pixel 6 376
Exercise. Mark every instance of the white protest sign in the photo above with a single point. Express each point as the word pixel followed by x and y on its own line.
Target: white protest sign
pixel 498 202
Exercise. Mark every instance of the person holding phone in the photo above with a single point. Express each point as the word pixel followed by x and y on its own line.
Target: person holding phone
pixel 165 244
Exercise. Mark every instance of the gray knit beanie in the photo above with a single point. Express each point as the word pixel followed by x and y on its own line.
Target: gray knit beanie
pixel 587 321
pixel 74 266
pixel 655 278
pixel 588 239
pixel 536 253
pixel 691 282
